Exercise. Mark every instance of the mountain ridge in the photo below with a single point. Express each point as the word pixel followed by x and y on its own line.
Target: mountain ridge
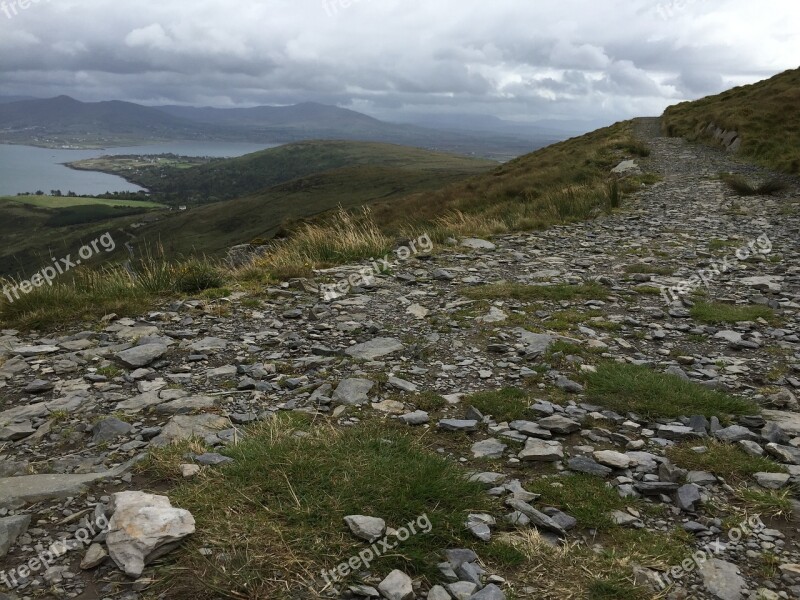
pixel 65 121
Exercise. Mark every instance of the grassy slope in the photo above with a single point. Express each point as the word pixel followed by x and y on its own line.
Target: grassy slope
pixel 238 177
pixel 566 181
pixel 766 115
pixel 32 234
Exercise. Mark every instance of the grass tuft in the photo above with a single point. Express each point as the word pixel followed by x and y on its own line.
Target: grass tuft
pixel 724 460
pixel 649 269
pixel 772 503
pixel 718 312
pixel 742 187
pixel 508 404
pixel 635 388
pixel 274 517
pixel 90 294
pixel 585 497
pixel 343 238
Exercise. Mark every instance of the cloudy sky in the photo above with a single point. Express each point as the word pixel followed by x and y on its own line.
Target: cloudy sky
pixel 518 59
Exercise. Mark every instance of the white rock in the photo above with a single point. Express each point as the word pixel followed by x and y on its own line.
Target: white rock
pixel 94 556
pixel 537 450
pixel 397 586
pixel 418 311
pixel 144 527
pixel 477 244
pixel 615 460
pixel 189 470
pixel 366 528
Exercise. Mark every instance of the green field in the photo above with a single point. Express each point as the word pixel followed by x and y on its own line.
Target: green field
pixel 68 202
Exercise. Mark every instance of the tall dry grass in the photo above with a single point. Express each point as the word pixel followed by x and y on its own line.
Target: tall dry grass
pixel 91 293
pixel 342 238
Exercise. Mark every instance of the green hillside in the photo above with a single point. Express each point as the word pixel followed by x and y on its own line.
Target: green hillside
pixel 213 228
pixel 238 177
pixel 766 116
pixel 563 182
pixel 32 235
pixel 272 188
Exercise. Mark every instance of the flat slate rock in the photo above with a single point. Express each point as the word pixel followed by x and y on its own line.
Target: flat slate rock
pixel 10 529
pixel 17 491
pixel 141 356
pixel 583 464
pixel 375 348
pixel 722 579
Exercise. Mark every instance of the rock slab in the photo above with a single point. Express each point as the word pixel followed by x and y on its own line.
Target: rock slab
pixel 144 527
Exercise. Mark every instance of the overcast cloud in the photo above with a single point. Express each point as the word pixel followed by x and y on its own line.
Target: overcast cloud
pixel 523 59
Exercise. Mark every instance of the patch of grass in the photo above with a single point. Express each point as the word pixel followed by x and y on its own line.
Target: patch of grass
pixel 718 244
pixel 566 320
pixel 572 570
pixel 508 404
pixel 635 147
pixel 110 371
pixel 742 187
pixel 198 275
pixel 769 567
pixel 615 588
pixel 604 325
pixel 718 312
pixel 90 294
pixel 502 554
pixel 344 238
pixel 625 388
pixel 650 547
pixel 428 401
pixel 72 201
pixel 633 182
pixel 773 503
pixel 649 269
pixel 647 290
pixel 216 293
pixel 725 460
pixel 59 416
pixel 163 465
pixel 585 497
pixel 518 291
pixel 273 519
pixel 564 347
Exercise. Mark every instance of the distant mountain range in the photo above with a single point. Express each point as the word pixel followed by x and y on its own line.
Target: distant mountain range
pixel 469 122
pixel 64 121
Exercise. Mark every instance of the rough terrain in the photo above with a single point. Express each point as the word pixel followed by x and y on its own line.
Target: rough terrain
pixel 77 407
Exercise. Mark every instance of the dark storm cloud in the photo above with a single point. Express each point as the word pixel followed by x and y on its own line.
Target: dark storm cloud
pixel 541 59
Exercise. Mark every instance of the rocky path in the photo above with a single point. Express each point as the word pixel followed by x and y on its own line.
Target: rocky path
pixel 78 408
